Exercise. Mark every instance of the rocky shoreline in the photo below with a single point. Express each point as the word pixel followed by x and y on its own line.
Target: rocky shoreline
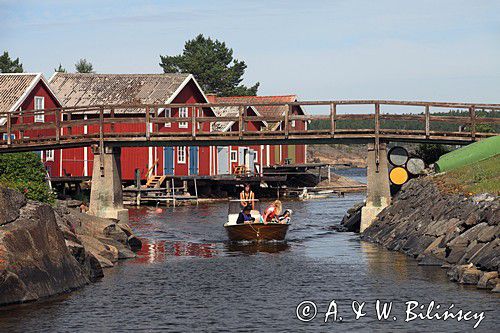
pixel 45 250
pixel 454 231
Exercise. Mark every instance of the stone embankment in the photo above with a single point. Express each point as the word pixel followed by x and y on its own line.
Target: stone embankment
pixel 454 231
pixel 47 250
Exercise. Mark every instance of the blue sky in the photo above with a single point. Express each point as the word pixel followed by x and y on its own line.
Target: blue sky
pixel 410 50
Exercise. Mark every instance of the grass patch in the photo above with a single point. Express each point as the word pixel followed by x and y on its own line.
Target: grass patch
pixel 480 177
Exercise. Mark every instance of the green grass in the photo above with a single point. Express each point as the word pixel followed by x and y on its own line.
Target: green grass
pixel 480 177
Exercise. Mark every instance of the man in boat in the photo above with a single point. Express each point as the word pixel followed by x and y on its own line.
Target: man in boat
pixel 245 216
pixel 247 197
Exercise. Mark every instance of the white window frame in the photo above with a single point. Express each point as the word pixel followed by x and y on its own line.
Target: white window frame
pixel 293 123
pixel 167 114
pixel 12 136
pixel 233 156
pixel 183 113
pixel 255 157
pixel 49 155
pixel 39 104
pixel 181 155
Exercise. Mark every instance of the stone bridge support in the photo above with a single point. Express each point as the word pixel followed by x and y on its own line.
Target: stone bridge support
pixel 106 195
pixel 378 195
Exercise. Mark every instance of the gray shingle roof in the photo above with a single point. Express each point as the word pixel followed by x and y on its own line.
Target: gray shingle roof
pixel 13 87
pixel 78 89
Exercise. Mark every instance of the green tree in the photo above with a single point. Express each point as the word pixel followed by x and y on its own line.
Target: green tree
pixel 25 172
pixel 213 65
pixel 60 69
pixel 7 65
pixel 84 66
pixel 430 153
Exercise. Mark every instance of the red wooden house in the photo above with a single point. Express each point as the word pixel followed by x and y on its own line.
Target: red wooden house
pixel 228 158
pixel 26 92
pixel 112 89
pixel 266 155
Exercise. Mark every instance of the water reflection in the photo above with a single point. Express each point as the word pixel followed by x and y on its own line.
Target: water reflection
pixel 381 262
pixel 154 251
pixel 253 248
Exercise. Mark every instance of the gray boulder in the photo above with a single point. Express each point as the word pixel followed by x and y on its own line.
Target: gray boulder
pixel 35 261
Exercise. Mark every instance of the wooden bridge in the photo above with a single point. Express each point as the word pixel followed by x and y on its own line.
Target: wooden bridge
pixel 63 131
pixel 95 125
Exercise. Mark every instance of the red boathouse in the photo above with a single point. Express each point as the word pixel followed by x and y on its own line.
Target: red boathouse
pixel 266 155
pixel 114 89
pixel 28 92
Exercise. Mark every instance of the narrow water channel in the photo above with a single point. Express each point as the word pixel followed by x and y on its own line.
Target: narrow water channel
pixel 187 278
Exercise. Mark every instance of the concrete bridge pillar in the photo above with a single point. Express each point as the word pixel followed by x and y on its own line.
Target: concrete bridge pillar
pixel 106 196
pixel 378 194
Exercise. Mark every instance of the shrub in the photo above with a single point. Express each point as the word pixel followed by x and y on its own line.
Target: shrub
pixel 430 153
pixel 25 172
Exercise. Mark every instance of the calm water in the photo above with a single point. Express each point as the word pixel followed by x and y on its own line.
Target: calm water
pixel 188 278
pixel 358 174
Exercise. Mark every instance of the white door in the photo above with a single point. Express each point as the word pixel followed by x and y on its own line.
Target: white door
pixel 223 160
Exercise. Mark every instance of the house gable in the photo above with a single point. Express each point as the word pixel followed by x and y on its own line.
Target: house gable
pixel 17 91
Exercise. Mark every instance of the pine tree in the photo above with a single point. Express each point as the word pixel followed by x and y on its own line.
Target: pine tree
pixel 84 66
pixel 212 64
pixel 60 69
pixel 7 65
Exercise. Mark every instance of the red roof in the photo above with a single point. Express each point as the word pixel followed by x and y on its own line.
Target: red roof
pixel 272 111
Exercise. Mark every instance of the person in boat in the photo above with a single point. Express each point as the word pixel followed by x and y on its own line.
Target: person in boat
pixel 247 197
pixel 285 217
pixel 245 216
pixel 272 212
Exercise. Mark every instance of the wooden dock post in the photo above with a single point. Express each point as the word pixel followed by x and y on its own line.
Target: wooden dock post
pixel 138 186
pixel 196 191
pixel 173 191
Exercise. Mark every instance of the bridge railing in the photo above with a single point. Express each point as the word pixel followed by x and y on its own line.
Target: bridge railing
pixel 138 122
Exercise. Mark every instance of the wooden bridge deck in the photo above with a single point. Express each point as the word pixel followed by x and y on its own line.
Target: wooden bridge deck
pixel 62 132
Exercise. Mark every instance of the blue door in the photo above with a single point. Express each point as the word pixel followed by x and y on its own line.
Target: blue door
pixel 193 160
pixel 168 159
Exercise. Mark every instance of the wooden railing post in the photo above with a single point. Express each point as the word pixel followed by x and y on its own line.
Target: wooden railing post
pixel 101 140
pixel 333 118
pixel 287 119
pixel 21 121
pixel 70 128
pixel 377 136
pixel 193 122
pixel 240 117
pixel 155 116
pixel 58 125
pixel 148 122
pixel 427 122
pixel 9 128
pixel 112 116
pixel 472 113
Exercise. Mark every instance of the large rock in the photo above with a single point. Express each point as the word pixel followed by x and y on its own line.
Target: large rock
pixel 34 259
pixel 87 260
pixel 10 203
pixel 470 275
pixel 485 282
pixel 99 249
pixel 449 230
pixel 88 225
